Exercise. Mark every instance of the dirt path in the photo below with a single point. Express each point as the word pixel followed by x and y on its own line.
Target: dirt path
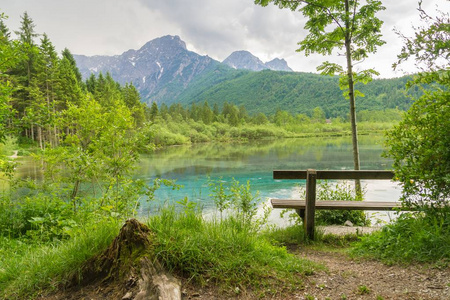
pixel 372 280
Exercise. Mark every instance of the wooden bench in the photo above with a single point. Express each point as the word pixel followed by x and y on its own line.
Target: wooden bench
pixel 306 208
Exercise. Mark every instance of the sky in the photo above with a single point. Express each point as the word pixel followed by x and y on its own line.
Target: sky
pixel 209 27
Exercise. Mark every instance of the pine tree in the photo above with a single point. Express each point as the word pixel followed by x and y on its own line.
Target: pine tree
pixel 153 111
pixel 67 89
pixel 4 31
pixel 207 114
pixel 46 72
pixel 132 100
pixel 68 55
pixel 24 71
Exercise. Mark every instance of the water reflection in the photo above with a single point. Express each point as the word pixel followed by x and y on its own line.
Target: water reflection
pixel 191 165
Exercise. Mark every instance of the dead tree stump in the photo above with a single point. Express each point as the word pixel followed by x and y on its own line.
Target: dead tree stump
pixel 129 267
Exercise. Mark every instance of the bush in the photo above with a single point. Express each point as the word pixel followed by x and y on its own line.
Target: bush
pixel 420 148
pixel 414 237
pixel 340 192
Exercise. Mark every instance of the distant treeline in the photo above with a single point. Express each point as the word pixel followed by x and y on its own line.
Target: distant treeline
pixel 268 91
pixel 176 124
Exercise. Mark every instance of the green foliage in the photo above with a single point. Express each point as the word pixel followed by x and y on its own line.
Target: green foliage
pixel 414 237
pixel 226 253
pixel 362 290
pixel 30 267
pixel 295 92
pixel 236 197
pixel 340 192
pixel 420 148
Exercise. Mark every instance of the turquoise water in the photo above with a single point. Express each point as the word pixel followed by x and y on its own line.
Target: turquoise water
pixel 192 165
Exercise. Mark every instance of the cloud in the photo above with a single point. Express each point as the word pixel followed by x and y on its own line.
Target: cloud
pixel 213 27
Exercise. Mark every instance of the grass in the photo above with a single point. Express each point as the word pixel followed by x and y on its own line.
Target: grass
pixel 420 237
pixel 28 267
pixel 229 253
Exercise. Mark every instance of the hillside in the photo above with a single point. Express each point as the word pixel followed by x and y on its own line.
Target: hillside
pixel 266 91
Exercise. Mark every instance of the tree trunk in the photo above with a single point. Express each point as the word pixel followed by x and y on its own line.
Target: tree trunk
pixel 351 94
pixel 130 261
pixel 39 130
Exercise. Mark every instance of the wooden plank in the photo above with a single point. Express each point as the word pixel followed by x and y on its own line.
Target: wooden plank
pixel 341 174
pixel 289 174
pixel 336 205
pixel 310 205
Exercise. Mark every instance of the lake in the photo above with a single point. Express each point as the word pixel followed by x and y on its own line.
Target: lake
pixel 192 165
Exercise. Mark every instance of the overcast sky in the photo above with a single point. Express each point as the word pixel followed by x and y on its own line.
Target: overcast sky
pixel 209 27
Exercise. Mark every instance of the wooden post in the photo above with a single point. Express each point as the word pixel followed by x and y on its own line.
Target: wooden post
pixel 301 213
pixel 310 205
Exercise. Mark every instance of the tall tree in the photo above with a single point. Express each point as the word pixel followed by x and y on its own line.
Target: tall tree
pixel 25 71
pixel 27 35
pixel 9 57
pixel 68 55
pixel 44 91
pixel 347 25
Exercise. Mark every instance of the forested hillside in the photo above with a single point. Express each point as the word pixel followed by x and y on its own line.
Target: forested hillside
pixel 267 91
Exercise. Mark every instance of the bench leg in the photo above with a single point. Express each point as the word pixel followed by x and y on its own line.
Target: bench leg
pixel 301 213
pixel 310 205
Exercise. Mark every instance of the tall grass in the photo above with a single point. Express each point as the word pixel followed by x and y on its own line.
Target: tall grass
pixel 229 253
pixel 26 267
pixel 414 237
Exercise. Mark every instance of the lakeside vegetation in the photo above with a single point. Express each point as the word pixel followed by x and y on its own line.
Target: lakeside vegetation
pixel 175 125
pixel 89 136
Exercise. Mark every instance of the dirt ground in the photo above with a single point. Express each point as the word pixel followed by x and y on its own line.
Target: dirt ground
pixel 365 279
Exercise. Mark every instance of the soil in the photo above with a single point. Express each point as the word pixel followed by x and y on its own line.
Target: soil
pixel 344 278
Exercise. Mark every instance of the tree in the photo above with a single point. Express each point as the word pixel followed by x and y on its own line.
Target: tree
pixel 25 69
pixel 282 118
pixel 207 115
pixel 420 143
pixel 154 111
pixel 345 25
pixel 132 100
pixel 8 59
pixel 26 36
pixel 318 115
pixel 68 55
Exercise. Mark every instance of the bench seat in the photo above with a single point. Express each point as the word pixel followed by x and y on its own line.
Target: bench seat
pixel 336 205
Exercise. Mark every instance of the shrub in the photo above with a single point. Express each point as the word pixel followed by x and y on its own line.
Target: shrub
pixel 414 237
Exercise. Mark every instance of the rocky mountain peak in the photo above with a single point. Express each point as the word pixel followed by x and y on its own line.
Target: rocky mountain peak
pixel 278 65
pixel 246 60
pixel 165 42
pixel 157 64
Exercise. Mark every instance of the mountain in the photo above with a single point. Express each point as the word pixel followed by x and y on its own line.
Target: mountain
pixel 164 71
pixel 161 68
pixel 278 65
pixel 244 60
